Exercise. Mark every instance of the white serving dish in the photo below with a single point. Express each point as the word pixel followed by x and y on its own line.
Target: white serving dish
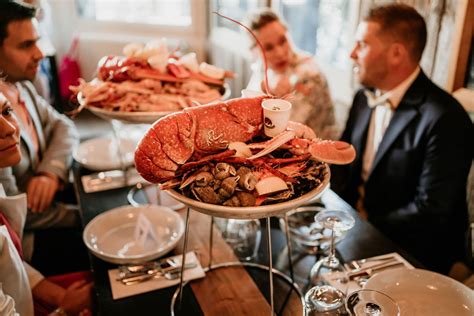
pixel 252 212
pixel 110 235
pixel 101 153
pixel 136 117
pixel 421 292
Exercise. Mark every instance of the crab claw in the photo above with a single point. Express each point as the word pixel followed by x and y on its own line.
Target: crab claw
pixel 335 152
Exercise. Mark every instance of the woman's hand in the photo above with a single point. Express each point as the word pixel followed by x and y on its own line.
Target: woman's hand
pixel 78 298
pixel 40 192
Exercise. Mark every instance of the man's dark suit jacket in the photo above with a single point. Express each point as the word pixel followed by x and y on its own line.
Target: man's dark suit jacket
pixel 416 190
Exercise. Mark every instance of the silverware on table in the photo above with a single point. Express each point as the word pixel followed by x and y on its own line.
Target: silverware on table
pixel 154 275
pixel 357 264
pixel 131 277
pixel 368 272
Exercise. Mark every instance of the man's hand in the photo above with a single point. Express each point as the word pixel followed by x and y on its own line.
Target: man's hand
pixel 77 299
pixel 40 192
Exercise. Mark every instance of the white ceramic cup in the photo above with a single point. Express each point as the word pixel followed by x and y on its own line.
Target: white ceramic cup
pixel 276 114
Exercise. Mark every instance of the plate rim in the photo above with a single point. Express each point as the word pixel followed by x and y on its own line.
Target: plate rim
pixel 135 258
pixel 96 167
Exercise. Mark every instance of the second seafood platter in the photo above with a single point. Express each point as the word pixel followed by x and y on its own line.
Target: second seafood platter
pixel 150 79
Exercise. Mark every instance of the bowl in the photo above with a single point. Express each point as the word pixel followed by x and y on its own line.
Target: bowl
pixel 110 235
pixel 422 292
pixel 253 212
pixel 306 235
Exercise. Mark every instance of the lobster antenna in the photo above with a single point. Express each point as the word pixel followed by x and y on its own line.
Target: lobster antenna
pixel 265 67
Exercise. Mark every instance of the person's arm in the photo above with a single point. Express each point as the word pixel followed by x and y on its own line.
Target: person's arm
pixel 61 138
pixel 75 300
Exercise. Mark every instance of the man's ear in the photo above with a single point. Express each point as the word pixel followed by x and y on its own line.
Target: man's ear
pixel 397 53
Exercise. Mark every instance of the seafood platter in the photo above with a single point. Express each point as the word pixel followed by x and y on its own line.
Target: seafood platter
pixel 149 82
pixel 216 159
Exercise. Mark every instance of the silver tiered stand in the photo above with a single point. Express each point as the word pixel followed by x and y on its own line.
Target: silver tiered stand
pixel 257 212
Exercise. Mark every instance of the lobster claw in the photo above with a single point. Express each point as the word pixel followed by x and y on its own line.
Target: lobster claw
pixel 334 152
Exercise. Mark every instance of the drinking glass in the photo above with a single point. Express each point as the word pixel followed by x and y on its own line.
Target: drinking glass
pixel 244 236
pixel 371 303
pixel 329 295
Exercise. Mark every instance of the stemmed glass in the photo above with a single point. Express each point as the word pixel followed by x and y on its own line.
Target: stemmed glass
pixel 325 295
pixel 371 303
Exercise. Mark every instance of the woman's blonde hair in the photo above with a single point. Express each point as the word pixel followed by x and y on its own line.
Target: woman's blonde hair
pixel 261 17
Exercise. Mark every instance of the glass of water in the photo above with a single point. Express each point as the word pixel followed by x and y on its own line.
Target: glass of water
pixel 243 235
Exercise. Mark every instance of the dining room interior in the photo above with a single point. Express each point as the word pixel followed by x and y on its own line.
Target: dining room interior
pixel 237 157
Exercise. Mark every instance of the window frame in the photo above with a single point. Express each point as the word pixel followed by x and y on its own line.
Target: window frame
pixel 460 54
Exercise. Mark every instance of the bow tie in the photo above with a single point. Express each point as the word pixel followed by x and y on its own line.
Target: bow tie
pixel 373 100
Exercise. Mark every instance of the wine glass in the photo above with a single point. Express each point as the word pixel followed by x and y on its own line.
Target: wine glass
pixel 244 236
pixel 371 303
pixel 328 275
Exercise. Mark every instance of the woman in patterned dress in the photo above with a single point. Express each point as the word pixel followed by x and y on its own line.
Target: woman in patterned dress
pixel 292 72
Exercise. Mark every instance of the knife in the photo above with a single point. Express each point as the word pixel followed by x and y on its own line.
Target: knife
pixel 370 271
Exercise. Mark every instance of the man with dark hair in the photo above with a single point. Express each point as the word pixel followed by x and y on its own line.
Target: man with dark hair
pixel 414 142
pixel 47 137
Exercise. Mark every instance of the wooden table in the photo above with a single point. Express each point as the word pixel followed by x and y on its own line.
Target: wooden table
pixel 230 291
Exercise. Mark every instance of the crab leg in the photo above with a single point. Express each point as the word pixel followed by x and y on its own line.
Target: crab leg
pixel 272 144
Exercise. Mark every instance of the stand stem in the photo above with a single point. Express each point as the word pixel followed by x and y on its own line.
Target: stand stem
pixel 183 262
pixel 270 264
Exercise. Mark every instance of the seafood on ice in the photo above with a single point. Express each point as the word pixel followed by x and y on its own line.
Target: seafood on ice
pixel 150 79
pixel 184 148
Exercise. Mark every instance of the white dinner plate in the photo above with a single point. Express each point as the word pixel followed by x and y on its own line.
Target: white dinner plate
pixel 102 153
pixel 421 292
pixel 110 235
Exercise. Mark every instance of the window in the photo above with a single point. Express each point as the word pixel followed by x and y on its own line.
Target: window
pixel 320 27
pixel 161 12
pixel 235 9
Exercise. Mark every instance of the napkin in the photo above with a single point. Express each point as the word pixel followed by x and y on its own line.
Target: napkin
pixel 120 290
pixel 108 180
pixel 335 278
